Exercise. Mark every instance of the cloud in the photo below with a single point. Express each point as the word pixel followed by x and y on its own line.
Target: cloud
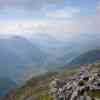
pixel 28 4
pixel 24 27
pixel 98 7
pixel 60 27
pixel 55 27
pixel 59 22
pixel 67 12
pixel 90 24
pixel 21 9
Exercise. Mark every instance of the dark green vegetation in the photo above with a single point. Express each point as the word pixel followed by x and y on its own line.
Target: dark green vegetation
pixel 36 87
pixel 95 93
pixel 86 58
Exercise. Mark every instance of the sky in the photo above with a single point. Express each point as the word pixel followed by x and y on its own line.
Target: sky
pixel 54 17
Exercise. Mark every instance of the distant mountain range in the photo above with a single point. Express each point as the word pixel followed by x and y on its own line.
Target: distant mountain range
pixel 21 58
pixel 18 56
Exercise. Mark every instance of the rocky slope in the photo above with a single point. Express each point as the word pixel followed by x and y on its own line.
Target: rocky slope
pixel 78 83
pixel 79 86
pixel 38 87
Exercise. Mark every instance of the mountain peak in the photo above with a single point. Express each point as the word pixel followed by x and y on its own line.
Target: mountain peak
pixel 17 37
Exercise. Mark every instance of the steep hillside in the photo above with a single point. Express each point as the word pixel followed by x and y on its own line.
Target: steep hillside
pixel 18 55
pixel 38 87
pixel 86 58
pixel 85 85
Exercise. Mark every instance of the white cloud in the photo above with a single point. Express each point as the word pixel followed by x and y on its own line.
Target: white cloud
pixel 98 7
pixel 67 12
pixel 57 28
pixel 90 24
pixel 19 27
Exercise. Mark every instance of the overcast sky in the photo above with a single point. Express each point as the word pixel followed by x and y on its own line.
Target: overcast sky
pixel 54 17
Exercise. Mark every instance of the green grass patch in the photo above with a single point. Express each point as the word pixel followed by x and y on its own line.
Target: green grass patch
pixel 38 87
pixel 94 93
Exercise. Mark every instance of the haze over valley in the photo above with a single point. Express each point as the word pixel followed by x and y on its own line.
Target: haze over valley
pixel 41 39
pixel 25 57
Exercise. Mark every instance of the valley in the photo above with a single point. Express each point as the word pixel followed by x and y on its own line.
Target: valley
pixel 26 59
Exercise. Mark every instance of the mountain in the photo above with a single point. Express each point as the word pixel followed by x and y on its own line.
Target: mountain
pixel 26 57
pixel 37 88
pixel 86 58
pixel 61 51
pixel 58 52
pixel 22 58
pixel 19 60
pixel 43 87
pixel 19 57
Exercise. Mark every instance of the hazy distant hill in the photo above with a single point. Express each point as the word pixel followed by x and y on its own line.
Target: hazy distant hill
pixel 17 55
pixel 29 56
pixel 21 57
pixel 86 58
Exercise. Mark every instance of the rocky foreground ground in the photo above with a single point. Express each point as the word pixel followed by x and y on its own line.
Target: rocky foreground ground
pixel 78 86
pixel 77 83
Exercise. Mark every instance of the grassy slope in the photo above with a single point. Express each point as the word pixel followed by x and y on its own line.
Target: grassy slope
pixel 38 87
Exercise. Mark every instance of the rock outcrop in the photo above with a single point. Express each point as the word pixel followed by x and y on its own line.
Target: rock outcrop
pixel 77 87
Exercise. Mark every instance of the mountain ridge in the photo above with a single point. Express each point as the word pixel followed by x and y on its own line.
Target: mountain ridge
pixel 88 57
